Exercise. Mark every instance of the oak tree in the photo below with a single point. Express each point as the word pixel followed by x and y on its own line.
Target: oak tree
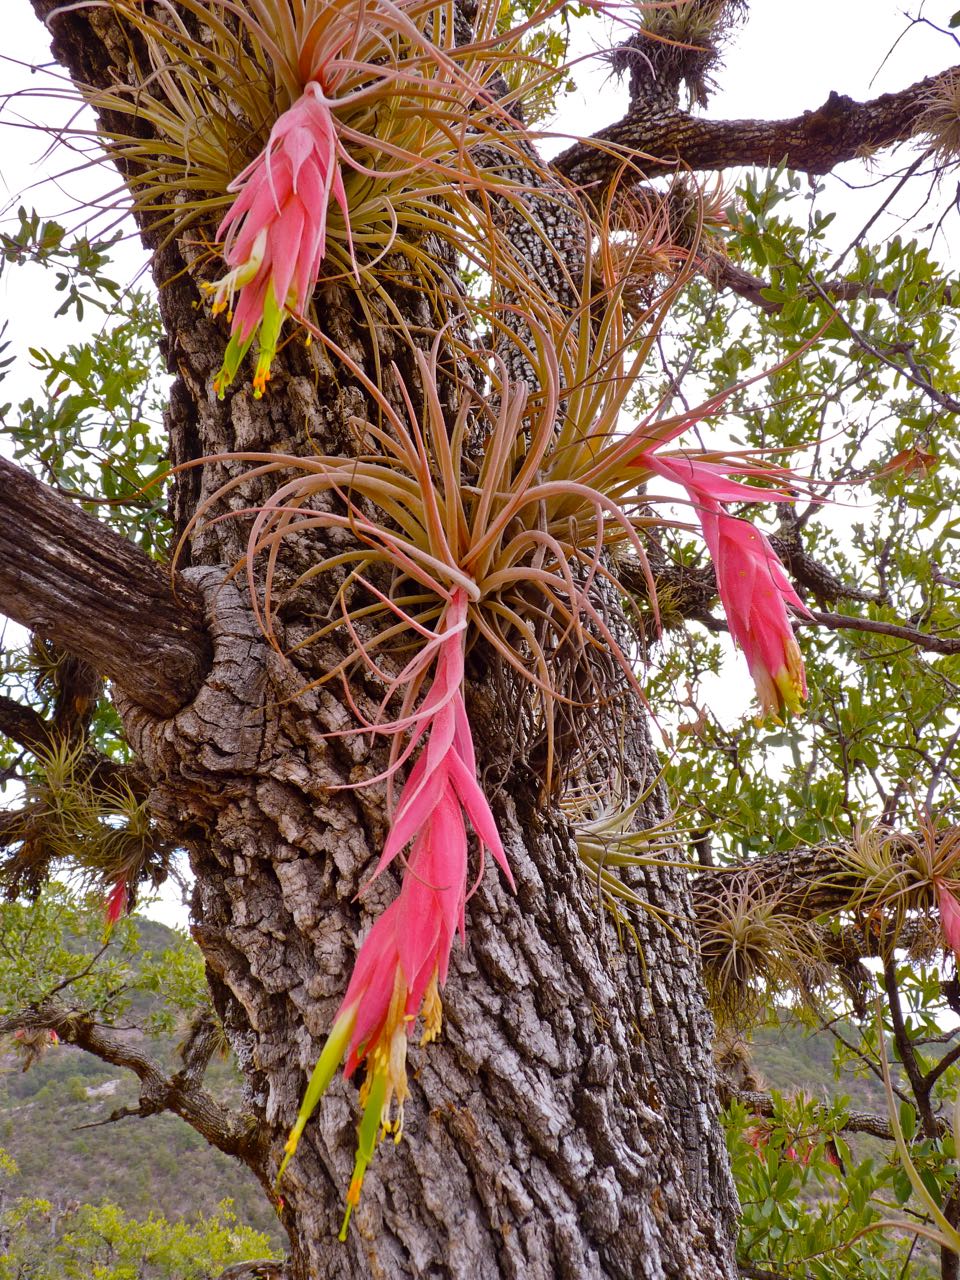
pixel 460 414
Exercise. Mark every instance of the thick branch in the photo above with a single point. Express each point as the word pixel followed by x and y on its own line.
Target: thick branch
pixel 906 1049
pixel 815 142
pixel 688 591
pixel 67 577
pixel 158 1092
pixel 26 727
pixel 806 883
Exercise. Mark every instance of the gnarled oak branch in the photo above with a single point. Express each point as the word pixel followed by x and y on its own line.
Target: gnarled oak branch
pixel 762 1104
pixel 69 578
pixel 815 142
pixel 235 1135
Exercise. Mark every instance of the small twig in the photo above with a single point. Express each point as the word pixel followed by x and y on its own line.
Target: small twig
pixel 867 1061
pixel 885 204
pixel 121 1113
pixel 75 977
pixel 938 397
pixel 945 1063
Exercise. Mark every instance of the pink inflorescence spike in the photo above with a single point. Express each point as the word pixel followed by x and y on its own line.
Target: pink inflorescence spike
pixel 116 903
pixel 404 960
pixel 275 232
pixel 751 581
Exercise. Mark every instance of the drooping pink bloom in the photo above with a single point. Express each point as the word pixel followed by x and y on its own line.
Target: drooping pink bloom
pixel 116 903
pixel 404 960
pixel 949 917
pixel 752 583
pixel 276 232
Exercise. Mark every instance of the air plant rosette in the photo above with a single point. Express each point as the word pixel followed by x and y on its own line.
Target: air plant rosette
pixel 754 947
pixel 102 831
pixel 448 552
pixel 612 847
pixel 890 876
pixel 342 135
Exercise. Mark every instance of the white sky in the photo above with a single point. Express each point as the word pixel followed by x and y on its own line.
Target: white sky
pixel 785 59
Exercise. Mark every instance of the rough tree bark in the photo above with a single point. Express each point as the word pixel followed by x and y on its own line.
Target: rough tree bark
pixel 566 1122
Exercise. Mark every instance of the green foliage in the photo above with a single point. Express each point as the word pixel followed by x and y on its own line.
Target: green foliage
pixel 802 1216
pixel 856 411
pixel 80 263
pixel 820 1202
pixel 100 1242
pixel 176 979
pixel 56 946
pixel 148 983
pixel 93 428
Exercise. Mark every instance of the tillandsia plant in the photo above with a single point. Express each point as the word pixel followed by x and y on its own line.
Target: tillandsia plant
pixel 100 826
pixel 760 939
pixel 341 130
pixel 448 551
pixel 891 874
pixel 610 846
pixel 755 948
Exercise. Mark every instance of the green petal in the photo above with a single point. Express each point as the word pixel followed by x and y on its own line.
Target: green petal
pixel 332 1055
pixel 367 1134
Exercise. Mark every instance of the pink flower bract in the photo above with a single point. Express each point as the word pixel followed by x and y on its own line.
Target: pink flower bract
pixel 116 903
pixel 753 586
pixel 949 917
pixel 405 957
pixel 276 231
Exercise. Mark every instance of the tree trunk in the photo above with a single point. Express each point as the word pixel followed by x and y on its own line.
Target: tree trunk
pixel 565 1123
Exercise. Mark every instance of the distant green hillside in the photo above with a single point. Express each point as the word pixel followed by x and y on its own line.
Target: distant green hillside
pixel 790 1057
pixel 158 1164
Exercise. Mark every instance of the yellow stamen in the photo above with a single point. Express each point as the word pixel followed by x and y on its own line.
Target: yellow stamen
pixel 432 1012
pixel 260 379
